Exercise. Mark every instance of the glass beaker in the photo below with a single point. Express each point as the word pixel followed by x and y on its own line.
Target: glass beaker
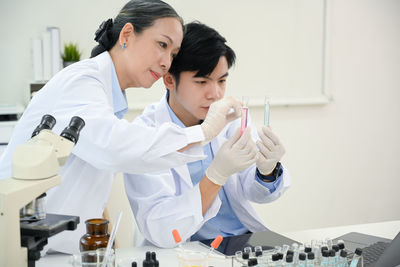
pixel 93 258
pixel 192 259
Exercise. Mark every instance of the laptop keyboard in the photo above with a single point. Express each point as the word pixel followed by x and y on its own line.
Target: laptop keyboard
pixel 372 253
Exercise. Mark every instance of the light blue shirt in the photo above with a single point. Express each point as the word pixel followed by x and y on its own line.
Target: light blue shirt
pixel 120 104
pixel 226 216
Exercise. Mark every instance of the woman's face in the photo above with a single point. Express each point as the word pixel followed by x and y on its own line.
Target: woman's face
pixel 148 55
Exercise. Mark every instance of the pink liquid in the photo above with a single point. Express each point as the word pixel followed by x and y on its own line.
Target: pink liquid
pixel 243 124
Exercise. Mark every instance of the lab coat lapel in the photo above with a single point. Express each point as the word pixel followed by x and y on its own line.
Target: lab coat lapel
pixel 161 116
pixel 184 174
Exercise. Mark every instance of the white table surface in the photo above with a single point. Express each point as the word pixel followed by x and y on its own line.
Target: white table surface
pixel 168 257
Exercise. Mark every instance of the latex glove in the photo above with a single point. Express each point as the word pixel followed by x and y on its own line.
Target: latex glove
pixel 217 117
pixel 236 154
pixel 270 150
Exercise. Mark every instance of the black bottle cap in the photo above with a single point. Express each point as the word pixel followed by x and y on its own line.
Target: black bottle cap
pixel 332 253
pixel 252 262
pixel 341 245
pixel 358 251
pixel 245 255
pixel 302 256
pixel 307 249
pixel 275 257
pixel 290 252
pixel 343 253
pixel 324 248
pixel 258 253
pixel 280 256
pixel 335 248
pixel 325 253
pixel 134 264
pixel 310 255
pixel 289 258
pixel 148 262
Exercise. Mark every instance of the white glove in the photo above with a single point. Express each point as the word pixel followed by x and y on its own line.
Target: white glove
pixel 217 117
pixel 236 154
pixel 270 151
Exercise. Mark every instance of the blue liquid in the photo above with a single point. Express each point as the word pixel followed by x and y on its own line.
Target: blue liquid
pixel 266 114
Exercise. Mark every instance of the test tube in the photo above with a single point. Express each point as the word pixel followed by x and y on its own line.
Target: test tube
pixel 245 112
pixel 302 260
pixel 310 259
pixel 343 258
pixel 356 257
pixel 266 111
pixel 325 257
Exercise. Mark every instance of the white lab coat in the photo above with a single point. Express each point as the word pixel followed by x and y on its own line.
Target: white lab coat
pixel 167 200
pixel 106 145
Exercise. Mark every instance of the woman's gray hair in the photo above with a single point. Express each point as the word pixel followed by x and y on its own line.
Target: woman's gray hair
pixel 141 13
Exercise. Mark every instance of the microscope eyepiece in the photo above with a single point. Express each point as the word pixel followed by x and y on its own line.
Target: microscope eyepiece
pixel 71 132
pixel 47 122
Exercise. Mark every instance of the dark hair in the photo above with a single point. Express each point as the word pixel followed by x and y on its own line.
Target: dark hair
pixel 141 13
pixel 200 51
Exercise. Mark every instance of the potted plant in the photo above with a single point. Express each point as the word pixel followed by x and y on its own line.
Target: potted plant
pixel 71 54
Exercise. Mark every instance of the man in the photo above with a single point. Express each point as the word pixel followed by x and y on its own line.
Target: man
pixel 212 196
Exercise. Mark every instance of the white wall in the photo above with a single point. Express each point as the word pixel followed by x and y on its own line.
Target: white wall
pixel 343 157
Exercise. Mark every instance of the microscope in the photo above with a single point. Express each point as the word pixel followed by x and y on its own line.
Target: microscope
pixel 35 167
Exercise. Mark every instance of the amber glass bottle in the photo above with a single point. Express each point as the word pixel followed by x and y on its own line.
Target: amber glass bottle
pixel 96 235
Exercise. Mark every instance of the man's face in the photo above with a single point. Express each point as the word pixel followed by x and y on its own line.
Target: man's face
pixel 192 98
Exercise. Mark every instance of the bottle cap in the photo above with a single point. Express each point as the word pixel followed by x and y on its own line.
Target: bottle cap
pixel 358 251
pixel 332 253
pixel 275 257
pixel 325 253
pixel 289 258
pixel 252 262
pixel 343 253
pixel 335 248
pixel 341 245
pixel 307 249
pixel 216 242
pixel 176 236
pixel 302 256
pixel 310 255
pixel 245 255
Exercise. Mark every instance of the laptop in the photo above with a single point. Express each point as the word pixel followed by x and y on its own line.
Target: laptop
pixel 267 240
pixel 377 251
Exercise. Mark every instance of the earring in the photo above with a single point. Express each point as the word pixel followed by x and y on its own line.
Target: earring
pixel 124 46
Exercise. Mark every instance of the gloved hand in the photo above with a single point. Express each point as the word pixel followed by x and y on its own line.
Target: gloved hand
pixel 236 154
pixel 270 150
pixel 217 117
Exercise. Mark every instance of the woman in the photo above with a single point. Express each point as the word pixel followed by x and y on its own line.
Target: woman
pixel 135 49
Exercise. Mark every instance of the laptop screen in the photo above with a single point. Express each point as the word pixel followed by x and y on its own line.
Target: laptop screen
pixel 391 255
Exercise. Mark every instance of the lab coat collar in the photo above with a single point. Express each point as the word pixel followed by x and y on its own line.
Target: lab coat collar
pixel 120 105
pixel 112 88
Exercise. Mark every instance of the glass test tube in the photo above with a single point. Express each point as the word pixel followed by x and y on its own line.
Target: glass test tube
pixel 266 111
pixel 245 112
